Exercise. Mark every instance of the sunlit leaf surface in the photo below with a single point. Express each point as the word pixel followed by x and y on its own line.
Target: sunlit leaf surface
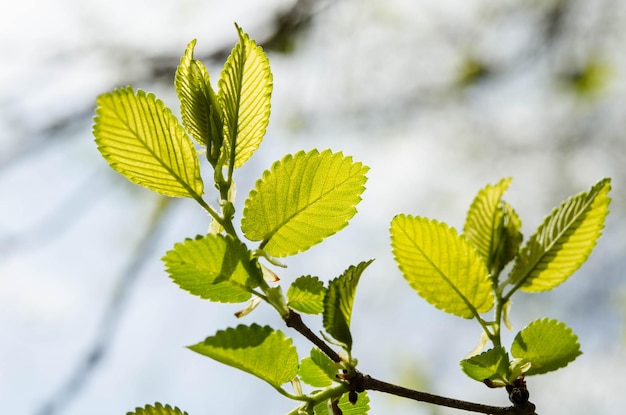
pixel 443 267
pixel 260 351
pixel 563 241
pixel 143 141
pixel 303 199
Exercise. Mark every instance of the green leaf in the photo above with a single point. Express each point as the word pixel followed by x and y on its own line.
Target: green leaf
pixel 492 364
pixel 361 407
pixel 143 141
pixel 338 303
pixel 245 90
pixel 493 227
pixel 214 267
pixel 443 267
pixel 260 351
pixel 157 409
pixel 306 294
pixel 547 344
pixel 303 199
pixel 563 242
pixel 199 107
pixel 318 370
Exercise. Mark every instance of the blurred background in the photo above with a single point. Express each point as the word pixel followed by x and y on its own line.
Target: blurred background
pixel 439 98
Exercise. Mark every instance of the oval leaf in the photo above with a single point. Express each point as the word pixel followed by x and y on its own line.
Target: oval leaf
pixel 563 242
pixel 199 107
pixel 260 351
pixel 443 267
pixel 318 370
pixel 245 90
pixel 338 303
pixel 157 409
pixel 301 200
pixel 492 364
pixel 143 141
pixel 547 344
pixel 306 294
pixel 214 267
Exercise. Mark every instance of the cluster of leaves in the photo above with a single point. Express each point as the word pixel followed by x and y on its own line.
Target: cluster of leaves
pixel 306 197
pixel 461 274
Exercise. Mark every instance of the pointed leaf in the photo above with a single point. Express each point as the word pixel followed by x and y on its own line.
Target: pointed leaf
pixel 491 226
pixel 245 90
pixel 157 409
pixel 214 267
pixel 306 294
pixel 547 344
pixel 303 199
pixel 199 106
pixel 361 407
pixel 443 267
pixel 492 364
pixel 318 370
pixel 257 350
pixel 563 242
pixel 143 141
pixel 338 303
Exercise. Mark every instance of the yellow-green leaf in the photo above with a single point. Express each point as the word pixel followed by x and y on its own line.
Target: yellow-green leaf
pixel 547 344
pixel 143 141
pixel 563 242
pixel 214 267
pixel 303 199
pixel 245 91
pixel 442 266
pixel 260 351
pixel 199 107
pixel 493 227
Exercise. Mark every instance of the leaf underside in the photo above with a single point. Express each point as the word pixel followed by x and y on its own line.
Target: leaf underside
pixel 563 242
pixel 339 301
pixel 200 111
pixel 443 267
pixel 301 200
pixel 213 267
pixel 141 139
pixel 255 350
pixel 318 369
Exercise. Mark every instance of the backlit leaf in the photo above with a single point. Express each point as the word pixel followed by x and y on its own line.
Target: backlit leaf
pixel 547 344
pixel 361 407
pixel 493 227
pixel 260 351
pixel 339 301
pixel 245 90
pixel 318 370
pixel 443 267
pixel 306 294
pixel 563 242
pixel 214 267
pixel 143 141
pixel 303 199
pixel 492 364
pixel 157 409
pixel 199 106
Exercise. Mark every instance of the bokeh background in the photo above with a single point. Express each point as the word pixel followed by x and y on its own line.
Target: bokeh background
pixel 438 97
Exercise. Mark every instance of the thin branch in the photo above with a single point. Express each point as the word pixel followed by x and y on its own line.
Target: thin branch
pixel 294 320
